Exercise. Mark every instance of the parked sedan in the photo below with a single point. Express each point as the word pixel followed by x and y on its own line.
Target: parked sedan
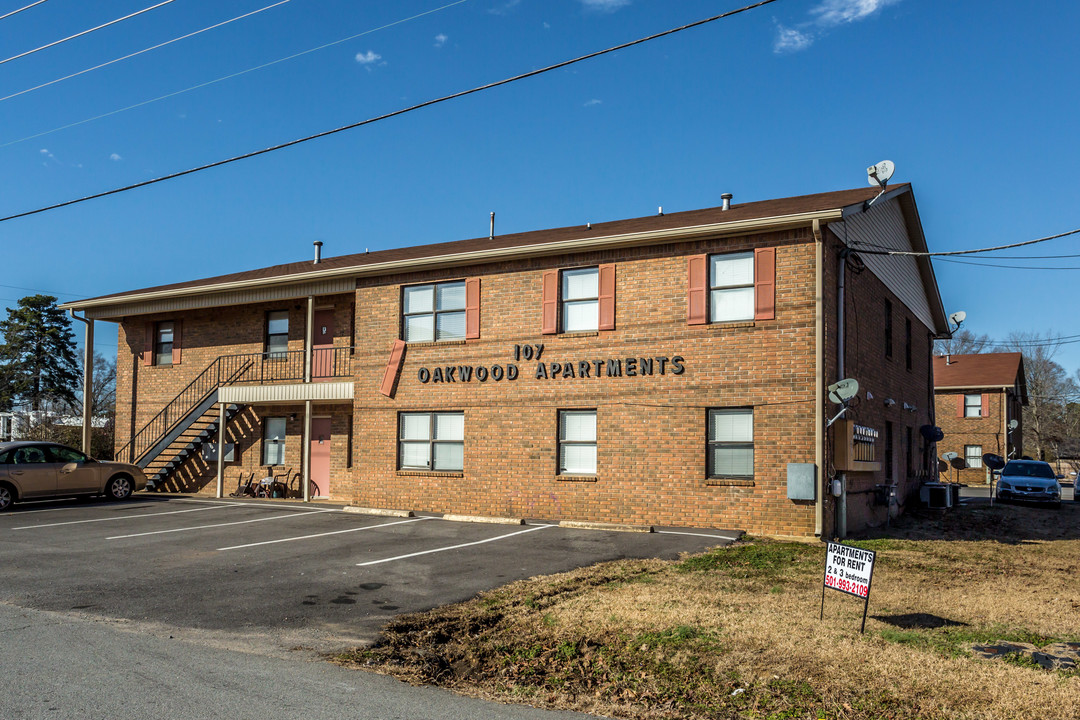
pixel 35 470
pixel 1031 480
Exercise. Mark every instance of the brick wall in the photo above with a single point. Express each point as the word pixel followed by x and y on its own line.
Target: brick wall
pixel 986 432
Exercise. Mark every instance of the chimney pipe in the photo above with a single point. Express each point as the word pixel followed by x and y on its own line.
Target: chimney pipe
pixel 948 359
pixel 491 232
pixel 726 197
pixel 318 251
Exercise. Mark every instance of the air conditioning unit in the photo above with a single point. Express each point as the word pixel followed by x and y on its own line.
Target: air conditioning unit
pixel 936 495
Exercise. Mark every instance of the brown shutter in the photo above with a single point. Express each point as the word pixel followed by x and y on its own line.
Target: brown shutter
pixel 985 405
pixel 698 284
pixel 960 405
pixel 393 367
pixel 764 283
pixel 177 342
pixel 607 297
pixel 148 345
pixel 550 307
pixel 472 308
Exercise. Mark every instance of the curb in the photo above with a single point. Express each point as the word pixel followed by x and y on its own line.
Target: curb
pixel 484 519
pixel 377 511
pixel 615 527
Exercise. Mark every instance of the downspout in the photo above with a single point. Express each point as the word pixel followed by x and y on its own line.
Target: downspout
pixel 841 347
pixel 819 380
pixel 88 382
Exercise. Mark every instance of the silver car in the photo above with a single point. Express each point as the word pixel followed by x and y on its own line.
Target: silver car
pixel 36 470
pixel 1031 480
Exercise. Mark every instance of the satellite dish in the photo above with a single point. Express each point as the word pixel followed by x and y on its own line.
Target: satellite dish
pixel 879 174
pixel 932 433
pixel 958 317
pixel 950 456
pixel 1013 424
pixel 994 462
pixel 942 466
pixel 959 463
pixel 842 391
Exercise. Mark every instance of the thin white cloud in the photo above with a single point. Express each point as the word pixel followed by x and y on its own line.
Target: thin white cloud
pixel 440 40
pixel 368 58
pixel 604 5
pixel 505 7
pixel 826 15
pixel 115 157
pixel 594 102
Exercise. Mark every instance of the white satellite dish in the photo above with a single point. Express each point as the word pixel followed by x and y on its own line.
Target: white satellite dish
pixel 879 174
pixel 950 456
pixel 958 317
pixel 1013 424
pixel 842 391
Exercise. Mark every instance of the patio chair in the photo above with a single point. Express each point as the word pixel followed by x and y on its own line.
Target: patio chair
pixel 244 488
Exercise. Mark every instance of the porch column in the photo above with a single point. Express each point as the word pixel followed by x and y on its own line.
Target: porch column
pixel 88 382
pixel 221 452
pixel 309 337
pixel 307 450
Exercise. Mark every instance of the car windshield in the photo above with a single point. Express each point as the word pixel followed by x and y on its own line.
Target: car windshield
pixel 1023 469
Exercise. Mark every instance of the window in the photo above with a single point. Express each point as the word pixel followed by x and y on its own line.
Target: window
pixel 973 405
pixel 730 443
pixel 731 287
pixel 888 329
pixel 888 450
pixel 577 442
pixel 63 454
pixel 973 456
pixel 909 452
pixel 434 312
pixel 163 343
pixel 274 441
pixel 907 342
pixel 277 333
pixel 431 441
pixel 580 300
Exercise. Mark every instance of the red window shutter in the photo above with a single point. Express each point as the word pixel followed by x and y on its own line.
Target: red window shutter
pixel 550 308
pixel 764 283
pixel 985 405
pixel 697 311
pixel 607 297
pixel 960 406
pixel 472 308
pixel 177 342
pixel 393 367
pixel 148 345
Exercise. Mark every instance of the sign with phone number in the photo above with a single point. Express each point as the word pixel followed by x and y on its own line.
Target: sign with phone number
pixel 849 569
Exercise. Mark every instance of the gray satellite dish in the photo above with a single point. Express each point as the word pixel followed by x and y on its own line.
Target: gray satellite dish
pixel 1013 424
pixel 949 456
pixel 842 391
pixel 879 174
pixel 959 463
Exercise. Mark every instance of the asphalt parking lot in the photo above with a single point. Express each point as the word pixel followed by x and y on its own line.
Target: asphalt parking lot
pixel 274 577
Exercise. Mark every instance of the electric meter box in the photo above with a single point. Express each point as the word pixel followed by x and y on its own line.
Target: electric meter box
pixel 802 481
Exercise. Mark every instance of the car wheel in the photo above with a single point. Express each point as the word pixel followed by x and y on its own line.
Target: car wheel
pixel 118 488
pixel 6 497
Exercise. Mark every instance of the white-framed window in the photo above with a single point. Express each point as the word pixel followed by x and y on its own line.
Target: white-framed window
pixel 730 443
pixel 433 313
pixel 972 405
pixel 580 300
pixel 273 441
pixel 163 343
pixel 431 441
pixel 973 455
pixel 731 287
pixel 577 442
pixel 277 333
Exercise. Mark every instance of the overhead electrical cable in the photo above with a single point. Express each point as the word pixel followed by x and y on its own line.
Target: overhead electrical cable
pixel 395 113
pixel 1010 267
pixel 230 76
pixel 16 12
pixel 146 50
pixel 862 247
pixel 86 32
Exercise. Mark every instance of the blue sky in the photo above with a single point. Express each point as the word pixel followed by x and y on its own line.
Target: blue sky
pixel 974 100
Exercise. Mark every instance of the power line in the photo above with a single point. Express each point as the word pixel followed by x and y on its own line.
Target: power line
pixel 50 292
pixel 428 103
pixel 885 251
pixel 140 52
pixel 16 12
pixel 231 76
pixel 85 32
pixel 1010 267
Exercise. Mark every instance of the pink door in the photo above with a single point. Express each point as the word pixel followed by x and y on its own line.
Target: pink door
pixel 320 454
pixel 322 361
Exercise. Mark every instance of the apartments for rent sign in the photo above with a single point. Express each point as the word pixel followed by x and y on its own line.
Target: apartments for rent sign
pixel 849 569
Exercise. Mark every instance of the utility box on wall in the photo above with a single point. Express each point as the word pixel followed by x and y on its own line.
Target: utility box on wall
pixel 210 452
pixel 802 481
pixel 855 447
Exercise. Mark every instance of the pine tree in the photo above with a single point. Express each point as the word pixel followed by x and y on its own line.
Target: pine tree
pixel 37 357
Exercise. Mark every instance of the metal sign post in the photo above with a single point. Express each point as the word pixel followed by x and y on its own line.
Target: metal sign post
pixel 850 570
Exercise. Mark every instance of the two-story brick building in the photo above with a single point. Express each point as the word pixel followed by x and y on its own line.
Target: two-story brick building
pixel 978 397
pixel 662 370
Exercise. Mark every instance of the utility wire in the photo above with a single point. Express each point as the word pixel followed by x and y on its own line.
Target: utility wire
pixel 395 113
pixel 16 12
pixel 231 76
pixel 146 50
pixel 885 251
pixel 85 32
pixel 1010 267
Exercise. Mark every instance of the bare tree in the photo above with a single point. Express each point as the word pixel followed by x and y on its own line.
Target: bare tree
pixel 1050 390
pixel 963 342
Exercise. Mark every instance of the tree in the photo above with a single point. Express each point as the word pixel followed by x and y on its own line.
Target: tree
pixel 37 356
pixel 963 342
pixel 1050 390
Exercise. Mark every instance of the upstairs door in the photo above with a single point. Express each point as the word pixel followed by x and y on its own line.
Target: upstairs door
pixel 322 360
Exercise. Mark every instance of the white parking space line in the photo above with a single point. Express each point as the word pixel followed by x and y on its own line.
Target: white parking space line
pixel 122 517
pixel 77 506
pixel 325 534
pixel 453 547
pixel 673 532
pixel 215 525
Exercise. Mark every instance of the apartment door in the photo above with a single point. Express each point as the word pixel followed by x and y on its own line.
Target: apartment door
pixel 320 454
pixel 322 362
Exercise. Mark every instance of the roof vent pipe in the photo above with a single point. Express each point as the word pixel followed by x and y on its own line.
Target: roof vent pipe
pixel 726 197
pixel 491 231
pixel 948 359
pixel 318 251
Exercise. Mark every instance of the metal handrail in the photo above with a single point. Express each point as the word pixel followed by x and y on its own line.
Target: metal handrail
pixel 258 368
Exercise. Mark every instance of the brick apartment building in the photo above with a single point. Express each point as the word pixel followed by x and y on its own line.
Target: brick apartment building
pixel 662 370
pixel 977 398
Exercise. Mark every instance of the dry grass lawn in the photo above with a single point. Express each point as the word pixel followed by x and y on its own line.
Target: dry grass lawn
pixel 734 633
